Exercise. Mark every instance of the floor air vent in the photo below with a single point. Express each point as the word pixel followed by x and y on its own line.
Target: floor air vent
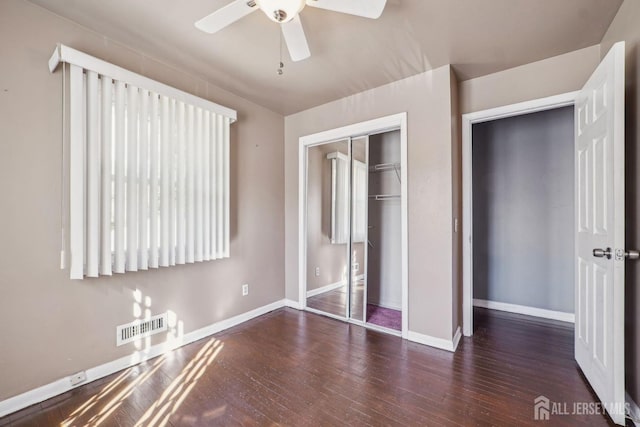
pixel 141 328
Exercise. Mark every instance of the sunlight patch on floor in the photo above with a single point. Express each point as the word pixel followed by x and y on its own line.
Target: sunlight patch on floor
pixel 173 396
pixel 114 402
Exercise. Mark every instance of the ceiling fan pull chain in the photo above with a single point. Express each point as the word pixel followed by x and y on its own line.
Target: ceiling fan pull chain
pixel 281 65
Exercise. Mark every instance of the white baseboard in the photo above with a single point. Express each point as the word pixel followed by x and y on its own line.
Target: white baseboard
pixel 379 328
pixel 327 288
pixel 522 309
pixel 63 385
pixel 634 410
pixel 292 304
pixel 441 343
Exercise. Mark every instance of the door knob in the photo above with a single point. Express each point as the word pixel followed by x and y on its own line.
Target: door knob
pixel 602 253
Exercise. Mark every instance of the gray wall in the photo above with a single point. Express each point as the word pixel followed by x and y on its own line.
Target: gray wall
pixel 523 210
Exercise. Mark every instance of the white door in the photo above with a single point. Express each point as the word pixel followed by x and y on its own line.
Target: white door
pixel 599 190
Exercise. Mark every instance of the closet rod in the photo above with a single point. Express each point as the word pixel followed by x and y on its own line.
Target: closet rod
pixel 382 167
pixel 382 197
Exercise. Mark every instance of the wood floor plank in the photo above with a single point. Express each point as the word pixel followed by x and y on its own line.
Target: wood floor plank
pixel 301 369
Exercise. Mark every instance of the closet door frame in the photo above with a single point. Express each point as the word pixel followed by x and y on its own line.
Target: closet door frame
pixel 371 127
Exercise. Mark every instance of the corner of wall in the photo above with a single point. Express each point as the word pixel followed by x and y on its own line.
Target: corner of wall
pixel 456 179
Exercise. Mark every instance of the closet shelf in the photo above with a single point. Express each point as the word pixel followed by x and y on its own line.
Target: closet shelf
pixel 385 196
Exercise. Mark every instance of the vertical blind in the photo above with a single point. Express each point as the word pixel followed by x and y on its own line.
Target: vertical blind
pixel 149 177
pixel 344 198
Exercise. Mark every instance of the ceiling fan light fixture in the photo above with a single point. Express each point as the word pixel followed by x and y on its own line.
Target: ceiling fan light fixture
pixel 281 11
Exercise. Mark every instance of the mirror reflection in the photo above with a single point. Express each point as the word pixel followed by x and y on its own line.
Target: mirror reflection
pixel 353 229
pixel 328 227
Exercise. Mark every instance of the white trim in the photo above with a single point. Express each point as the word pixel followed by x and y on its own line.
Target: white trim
pixel 323 289
pixel 292 304
pixel 302 226
pixel 441 343
pixel 456 338
pixel 63 385
pixel 404 207
pixel 520 108
pixel 468 120
pixel 526 310
pixel 375 126
pixel 379 328
pixel 370 127
pixel 634 410
pixel 63 53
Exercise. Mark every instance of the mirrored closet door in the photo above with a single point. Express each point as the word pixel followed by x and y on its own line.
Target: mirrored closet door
pixel 353 253
pixel 328 227
pixel 359 193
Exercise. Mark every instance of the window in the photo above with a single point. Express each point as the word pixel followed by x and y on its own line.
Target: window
pixel 149 171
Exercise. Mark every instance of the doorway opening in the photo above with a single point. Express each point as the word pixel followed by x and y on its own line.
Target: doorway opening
pixel 523 209
pixel 518 210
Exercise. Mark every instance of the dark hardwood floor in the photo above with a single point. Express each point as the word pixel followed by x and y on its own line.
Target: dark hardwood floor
pixel 335 302
pixel 297 368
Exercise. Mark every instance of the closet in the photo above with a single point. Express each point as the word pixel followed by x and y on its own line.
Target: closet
pixel 353 230
pixel 384 253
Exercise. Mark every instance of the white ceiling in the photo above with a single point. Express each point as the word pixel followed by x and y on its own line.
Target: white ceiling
pixel 349 54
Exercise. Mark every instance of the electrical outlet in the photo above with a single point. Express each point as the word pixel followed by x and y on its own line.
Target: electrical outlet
pixel 245 289
pixel 78 378
pixel 317 271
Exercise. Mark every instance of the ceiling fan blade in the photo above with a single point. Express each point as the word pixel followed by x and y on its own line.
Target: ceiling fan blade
pixel 225 16
pixel 296 40
pixel 365 8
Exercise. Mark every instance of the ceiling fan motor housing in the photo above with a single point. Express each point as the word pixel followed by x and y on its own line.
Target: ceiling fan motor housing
pixel 279 15
pixel 281 11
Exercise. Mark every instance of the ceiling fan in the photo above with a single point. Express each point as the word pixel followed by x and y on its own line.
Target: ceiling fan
pixel 286 13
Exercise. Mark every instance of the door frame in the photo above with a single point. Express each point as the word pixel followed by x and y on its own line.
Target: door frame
pixel 370 127
pixel 468 120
